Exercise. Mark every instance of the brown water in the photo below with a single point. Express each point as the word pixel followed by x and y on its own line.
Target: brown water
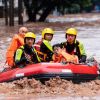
pixel 54 89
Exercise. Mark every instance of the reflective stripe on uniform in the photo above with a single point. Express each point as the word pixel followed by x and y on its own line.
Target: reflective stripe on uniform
pixel 82 49
pixel 79 51
pixel 18 54
pixel 48 45
pixel 20 51
pixel 37 55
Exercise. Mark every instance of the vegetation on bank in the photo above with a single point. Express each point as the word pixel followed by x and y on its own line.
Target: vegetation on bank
pixel 43 8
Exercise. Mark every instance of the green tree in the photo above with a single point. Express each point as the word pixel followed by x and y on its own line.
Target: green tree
pixel 42 8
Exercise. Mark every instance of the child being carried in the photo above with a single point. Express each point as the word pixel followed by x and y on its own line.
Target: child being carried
pixel 61 56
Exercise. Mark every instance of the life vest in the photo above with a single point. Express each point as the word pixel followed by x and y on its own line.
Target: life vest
pixel 41 55
pixel 22 53
pixel 70 58
pixel 65 57
pixel 17 41
pixel 57 58
pixel 46 48
pixel 48 45
pixel 75 49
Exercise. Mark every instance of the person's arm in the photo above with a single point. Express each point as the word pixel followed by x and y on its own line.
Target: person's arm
pixel 42 48
pixel 83 58
pixel 18 57
pixel 67 56
pixel 12 48
pixel 82 52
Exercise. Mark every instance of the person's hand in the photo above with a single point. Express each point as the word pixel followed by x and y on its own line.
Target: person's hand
pixel 63 50
pixel 59 50
pixel 28 57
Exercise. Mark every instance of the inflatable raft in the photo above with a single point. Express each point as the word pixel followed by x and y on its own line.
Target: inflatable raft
pixel 43 71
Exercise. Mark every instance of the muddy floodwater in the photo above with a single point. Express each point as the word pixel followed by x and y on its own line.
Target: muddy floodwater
pixel 55 89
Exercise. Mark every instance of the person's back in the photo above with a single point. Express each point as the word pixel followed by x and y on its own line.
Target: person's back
pixel 17 41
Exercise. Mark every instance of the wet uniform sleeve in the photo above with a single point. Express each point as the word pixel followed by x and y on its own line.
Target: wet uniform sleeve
pixel 82 52
pixel 18 57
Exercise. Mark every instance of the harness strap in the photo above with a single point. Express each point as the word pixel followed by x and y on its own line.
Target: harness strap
pixel 26 56
pixel 42 56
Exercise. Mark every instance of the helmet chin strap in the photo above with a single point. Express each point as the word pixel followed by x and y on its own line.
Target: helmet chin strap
pixel 72 41
pixel 25 40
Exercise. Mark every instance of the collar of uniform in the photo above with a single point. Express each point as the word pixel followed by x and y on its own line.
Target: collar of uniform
pixel 45 40
pixel 47 43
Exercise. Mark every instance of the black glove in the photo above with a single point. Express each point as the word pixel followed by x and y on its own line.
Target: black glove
pixel 22 60
pixel 83 59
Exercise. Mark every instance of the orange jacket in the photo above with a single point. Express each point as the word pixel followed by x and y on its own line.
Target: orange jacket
pixel 69 57
pixel 65 57
pixel 17 41
pixel 57 58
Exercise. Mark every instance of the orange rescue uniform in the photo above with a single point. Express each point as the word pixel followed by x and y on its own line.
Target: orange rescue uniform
pixel 17 41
